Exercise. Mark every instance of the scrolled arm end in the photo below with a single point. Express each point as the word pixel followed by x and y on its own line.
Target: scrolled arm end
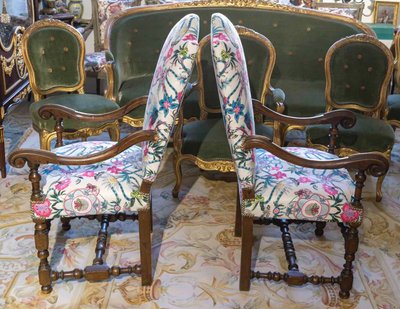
pixel 378 164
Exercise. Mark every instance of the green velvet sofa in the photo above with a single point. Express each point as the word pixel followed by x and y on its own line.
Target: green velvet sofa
pixel 300 36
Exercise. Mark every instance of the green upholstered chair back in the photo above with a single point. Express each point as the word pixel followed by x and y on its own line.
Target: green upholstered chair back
pixel 54 54
pixel 260 59
pixel 358 71
pixel 133 35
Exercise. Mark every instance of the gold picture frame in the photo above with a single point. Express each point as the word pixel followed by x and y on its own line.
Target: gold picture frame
pixel 354 10
pixel 386 12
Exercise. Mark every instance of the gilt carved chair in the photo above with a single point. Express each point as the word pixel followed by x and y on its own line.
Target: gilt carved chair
pixel 109 181
pixel 203 141
pixel 54 55
pixel 358 71
pixel 286 185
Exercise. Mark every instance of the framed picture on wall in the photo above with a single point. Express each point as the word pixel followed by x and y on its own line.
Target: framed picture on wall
pixel 386 12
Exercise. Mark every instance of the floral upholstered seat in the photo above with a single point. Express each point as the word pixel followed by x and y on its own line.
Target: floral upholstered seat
pixel 284 190
pixel 285 185
pixel 109 187
pixel 110 180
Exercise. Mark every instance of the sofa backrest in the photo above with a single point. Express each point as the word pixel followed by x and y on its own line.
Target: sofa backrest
pixel 301 37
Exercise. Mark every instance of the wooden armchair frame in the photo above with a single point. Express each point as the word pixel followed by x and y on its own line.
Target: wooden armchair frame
pixel 34 158
pixel 374 163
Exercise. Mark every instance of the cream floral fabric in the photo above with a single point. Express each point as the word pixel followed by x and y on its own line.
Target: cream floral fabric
pixel 102 188
pixel 282 190
pixel 113 186
pixel 172 73
pixel 235 97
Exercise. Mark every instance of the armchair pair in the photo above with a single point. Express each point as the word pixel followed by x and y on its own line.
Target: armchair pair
pixel 286 185
pixel 108 181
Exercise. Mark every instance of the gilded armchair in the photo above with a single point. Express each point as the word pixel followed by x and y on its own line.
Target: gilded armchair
pixel 54 54
pixel 358 71
pixel 203 141
pixel 109 181
pixel 286 185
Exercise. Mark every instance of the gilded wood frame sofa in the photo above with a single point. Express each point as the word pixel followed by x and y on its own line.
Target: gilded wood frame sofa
pixel 300 36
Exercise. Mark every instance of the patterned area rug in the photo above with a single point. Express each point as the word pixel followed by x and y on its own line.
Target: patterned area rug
pixel 195 256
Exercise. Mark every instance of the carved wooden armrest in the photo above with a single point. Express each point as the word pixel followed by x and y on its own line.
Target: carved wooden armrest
pixel 278 96
pixel 373 162
pixel 35 157
pixel 59 112
pixel 340 116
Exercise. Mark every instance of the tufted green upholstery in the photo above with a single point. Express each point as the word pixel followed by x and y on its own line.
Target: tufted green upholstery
pixel 206 139
pixel 358 72
pixel 54 54
pixel 368 134
pixel 300 37
pixel 87 103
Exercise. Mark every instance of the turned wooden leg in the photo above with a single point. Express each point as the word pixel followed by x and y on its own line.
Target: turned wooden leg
pixel 351 246
pixel 101 240
pixel 145 245
pixel 238 219
pixel 319 228
pixel 247 246
pixel 379 183
pixel 66 225
pixel 178 176
pixel 2 153
pixel 42 246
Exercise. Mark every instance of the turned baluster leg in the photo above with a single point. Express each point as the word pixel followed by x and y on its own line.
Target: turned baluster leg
pixel 351 240
pixel 101 240
pixel 319 228
pixel 247 246
pixel 288 246
pixel 238 219
pixel 42 246
pixel 144 218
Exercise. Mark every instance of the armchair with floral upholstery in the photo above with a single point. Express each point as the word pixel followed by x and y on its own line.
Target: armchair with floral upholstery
pixel 109 181
pixel 286 185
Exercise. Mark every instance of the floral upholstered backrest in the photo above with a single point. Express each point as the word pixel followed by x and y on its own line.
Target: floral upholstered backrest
pixel 171 76
pixel 234 94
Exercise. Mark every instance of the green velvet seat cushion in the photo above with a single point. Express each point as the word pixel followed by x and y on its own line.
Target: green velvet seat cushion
pixel 394 107
pixel 302 98
pixel 87 103
pixel 368 134
pixel 207 139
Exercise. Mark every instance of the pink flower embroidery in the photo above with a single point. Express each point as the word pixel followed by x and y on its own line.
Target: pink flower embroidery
pixel 221 36
pixel 92 188
pixel 329 189
pixel 170 51
pixel 188 37
pixel 349 214
pixel 42 209
pixel 180 95
pixel 115 170
pixel 225 99
pixel 276 211
pixel 166 104
pixel 239 56
pixel 88 174
pixel 63 184
pixel 279 175
pixel 145 150
pixel 304 179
